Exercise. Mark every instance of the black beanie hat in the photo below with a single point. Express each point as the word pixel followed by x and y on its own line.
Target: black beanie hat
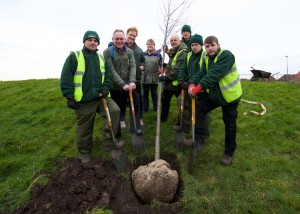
pixel 186 28
pixel 197 39
pixel 91 34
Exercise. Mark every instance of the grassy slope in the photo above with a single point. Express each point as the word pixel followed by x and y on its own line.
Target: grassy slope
pixel 37 130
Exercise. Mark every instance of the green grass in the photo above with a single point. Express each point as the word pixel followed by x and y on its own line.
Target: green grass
pixel 37 129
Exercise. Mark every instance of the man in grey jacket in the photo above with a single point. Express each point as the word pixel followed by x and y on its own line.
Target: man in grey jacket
pixel 122 64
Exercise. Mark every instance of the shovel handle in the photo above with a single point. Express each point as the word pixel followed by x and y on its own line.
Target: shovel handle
pixel 132 108
pixel 193 111
pixel 182 100
pixel 108 117
pixel 131 102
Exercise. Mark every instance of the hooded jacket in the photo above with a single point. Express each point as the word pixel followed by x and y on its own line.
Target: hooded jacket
pixel 92 78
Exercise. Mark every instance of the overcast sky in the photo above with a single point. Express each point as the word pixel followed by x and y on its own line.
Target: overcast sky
pixel 36 36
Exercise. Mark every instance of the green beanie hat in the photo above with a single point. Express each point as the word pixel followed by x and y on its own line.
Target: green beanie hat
pixel 91 34
pixel 186 28
pixel 197 39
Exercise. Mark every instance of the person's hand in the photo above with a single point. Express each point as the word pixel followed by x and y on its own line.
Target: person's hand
pixel 72 104
pixel 194 90
pixel 104 93
pixel 162 77
pixel 132 86
pixel 126 87
pixel 165 48
pixel 183 85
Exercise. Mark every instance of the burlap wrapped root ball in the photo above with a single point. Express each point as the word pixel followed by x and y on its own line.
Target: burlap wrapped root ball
pixel 155 181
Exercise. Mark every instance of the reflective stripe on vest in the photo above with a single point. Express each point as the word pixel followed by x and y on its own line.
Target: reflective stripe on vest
pixel 230 84
pixel 175 82
pixel 80 72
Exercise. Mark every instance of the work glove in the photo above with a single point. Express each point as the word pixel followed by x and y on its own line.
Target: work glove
pixel 194 90
pixel 162 77
pixel 104 93
pixel 71 103
pixel 183 85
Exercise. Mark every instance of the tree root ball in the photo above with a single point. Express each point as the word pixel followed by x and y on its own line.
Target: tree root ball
pixel 155 181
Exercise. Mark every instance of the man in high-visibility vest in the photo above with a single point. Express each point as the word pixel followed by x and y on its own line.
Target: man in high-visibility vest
pixel 84 77
pixel 219 77
pixel 187 70
pixel 177 55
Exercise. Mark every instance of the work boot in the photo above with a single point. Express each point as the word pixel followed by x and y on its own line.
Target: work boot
pixel 109 146
pixel 226 160
pixel 177 128
pixel 187 142
pixel 85 158
pixel 122 124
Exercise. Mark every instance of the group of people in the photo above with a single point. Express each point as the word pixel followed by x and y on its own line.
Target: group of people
pixel 209 76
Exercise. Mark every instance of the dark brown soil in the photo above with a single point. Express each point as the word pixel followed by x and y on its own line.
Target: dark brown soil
pixel 76 188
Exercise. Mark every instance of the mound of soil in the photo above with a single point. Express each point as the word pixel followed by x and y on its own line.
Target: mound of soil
pixel 77 188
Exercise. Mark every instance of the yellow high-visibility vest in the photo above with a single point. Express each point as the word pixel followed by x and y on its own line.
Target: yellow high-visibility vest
pixel 200 60
pixel 175 82
pixel 230 84
pixel 80 72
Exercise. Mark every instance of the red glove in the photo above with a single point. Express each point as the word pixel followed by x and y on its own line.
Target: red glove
pixel 191 86
pixel 197 89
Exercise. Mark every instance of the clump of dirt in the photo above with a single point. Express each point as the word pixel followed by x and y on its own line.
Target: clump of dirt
pixel 76 188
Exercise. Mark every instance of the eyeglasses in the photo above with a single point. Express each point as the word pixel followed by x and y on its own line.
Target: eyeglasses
pixel 121 39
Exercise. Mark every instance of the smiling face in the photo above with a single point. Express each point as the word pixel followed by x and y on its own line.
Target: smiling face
pixel 175 41
pixel 91 44
pixel 150 47
pixel 119 39
pixel 130 37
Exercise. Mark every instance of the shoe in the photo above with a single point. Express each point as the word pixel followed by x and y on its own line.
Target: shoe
pixel 226 160
pixel 187 142
pixel 199 146
pixel 142 123
pixel 122 124
pixel 86 159
pixel 177 128
pixel 109 146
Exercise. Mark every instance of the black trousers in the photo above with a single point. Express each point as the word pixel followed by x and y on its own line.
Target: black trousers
pixel 229 111
pixel 139 91
pixel 121 97
pixel 165 101
pixel 146 89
